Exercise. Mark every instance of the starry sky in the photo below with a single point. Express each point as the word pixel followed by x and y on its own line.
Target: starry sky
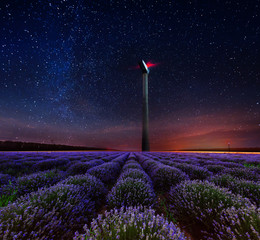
pixel 68 72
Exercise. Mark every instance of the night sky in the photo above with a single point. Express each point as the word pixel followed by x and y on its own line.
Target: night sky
pixel 68 72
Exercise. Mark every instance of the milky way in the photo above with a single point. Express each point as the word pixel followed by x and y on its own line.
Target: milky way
pixel 67 75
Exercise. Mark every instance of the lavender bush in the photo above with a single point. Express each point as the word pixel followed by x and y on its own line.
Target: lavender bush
pixel 252 162
pixel 215 168
pixel 147 163
pixel 13 169
pixel 239 224
pixel 131 165
pixel 165 176
pixel 169 163
pixel 202 201
pixel 130 223
pixel 107 172
pixel 150 165
pixel 5 178
pixel 230 164
pixel 62 208
pixel 221 163
pixel 252 167
pixel 29 223
pixel 194 172
pixel 92 186
pixel 8 193
pixel 78 168
pixel 224 180
pixel 26 184
pixel 242 173
pixel 136 174
pixel 120 159
pixel 33 182
pixel 132 156
pixel 96 162
pixel 131 192
pixel 50 163
pixel 131 160
pixel 245 188
pixel 248 189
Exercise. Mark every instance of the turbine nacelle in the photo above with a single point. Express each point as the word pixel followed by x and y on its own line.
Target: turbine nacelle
pixel 143 67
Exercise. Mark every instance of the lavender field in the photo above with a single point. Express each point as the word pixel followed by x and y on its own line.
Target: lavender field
pixel 129 195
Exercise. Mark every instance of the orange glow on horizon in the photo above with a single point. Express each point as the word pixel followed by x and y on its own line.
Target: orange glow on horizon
pixel 135 151
pixel 210 152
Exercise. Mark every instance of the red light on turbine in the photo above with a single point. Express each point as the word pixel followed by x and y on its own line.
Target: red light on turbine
pixel 149 64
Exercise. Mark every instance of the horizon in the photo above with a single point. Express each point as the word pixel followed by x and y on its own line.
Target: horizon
pixel 68 73
pixel 240 150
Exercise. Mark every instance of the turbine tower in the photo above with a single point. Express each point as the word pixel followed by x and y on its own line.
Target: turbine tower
pixel 145 134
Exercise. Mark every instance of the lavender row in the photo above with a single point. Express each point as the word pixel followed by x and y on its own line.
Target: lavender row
pixel 196 170
pixel 58 211
pixel 229 160
pixel 26 163
pixel 30 183
pixel 130 223
pixel 50 213
pixel 214 208
pixel 73 169
pixel 246 188
pixel 215 211
pixel 55 212
pixel 133 187
pixel 163 176
pixel 108 172
pixel 237 217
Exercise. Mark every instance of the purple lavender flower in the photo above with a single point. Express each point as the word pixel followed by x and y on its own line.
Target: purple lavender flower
pixel 165 176
pixel 131 192
pixel 137 174
pixel 131 223
pixel 121 159
pixel 78 168
pixel 96 162
pixel 215 168
pixel 239 224
pixel 202 202
pixel 12 168
pixel 5 178
pixel 242 173
pixel 52 213
pixel 92 186
pixel 194 172
pixel 245 188
pixel 132 164
pixel 50 163
pixel 107 172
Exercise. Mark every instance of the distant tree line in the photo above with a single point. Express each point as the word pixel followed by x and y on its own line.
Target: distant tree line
pixel 28 146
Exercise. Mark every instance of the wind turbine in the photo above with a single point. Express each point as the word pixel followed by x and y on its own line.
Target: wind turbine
pixel 145 132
